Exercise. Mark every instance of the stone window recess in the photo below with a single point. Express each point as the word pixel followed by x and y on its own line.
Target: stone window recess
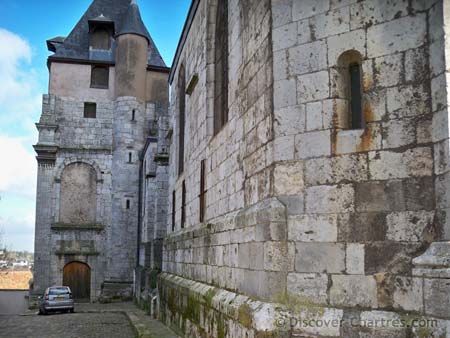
pixel 78 197
pixel 100 77
pixel 183 205
pixel 181 120
pixel 130 158
pixel 128 204
pixel 349 91
pixel 133 115
pixel 221 67
pixel 90 110
pixel 202 195
pixel 174 195
pixel 100 39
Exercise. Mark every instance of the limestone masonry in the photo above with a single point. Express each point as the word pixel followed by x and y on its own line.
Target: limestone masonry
pixel 295 184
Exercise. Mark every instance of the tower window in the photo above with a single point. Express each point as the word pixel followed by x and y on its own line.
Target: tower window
pixel 100 77
pixel 182 98
pixel 173 209
pixel 101 39
pixel 133 115
pixel 221 67
pixel 183 205
pixel 355 96
pixel 128 203
pixel 349 91
pixel 90 110
pixel 202 191
pixel 130 157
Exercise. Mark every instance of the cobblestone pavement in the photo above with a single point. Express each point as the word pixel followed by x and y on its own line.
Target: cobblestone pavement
pixel 71 325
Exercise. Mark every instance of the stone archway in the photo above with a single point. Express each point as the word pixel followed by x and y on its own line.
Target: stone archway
pixel 77 276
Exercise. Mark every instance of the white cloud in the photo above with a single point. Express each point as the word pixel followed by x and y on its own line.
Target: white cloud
pixel 18 170
pixel 20 89
pixel 20 105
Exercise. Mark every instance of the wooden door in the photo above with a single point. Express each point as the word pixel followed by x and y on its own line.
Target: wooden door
pixel 77 276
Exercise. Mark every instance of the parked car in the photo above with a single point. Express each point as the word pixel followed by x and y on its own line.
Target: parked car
pixel 56 298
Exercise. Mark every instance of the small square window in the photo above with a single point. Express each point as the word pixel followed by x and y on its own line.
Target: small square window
pixel 90 110
pixel 100 77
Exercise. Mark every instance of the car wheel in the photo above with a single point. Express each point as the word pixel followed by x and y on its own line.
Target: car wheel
pixel 72 310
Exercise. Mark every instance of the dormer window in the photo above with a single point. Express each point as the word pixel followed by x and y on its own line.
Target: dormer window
pixel 101 30
pixel 100 39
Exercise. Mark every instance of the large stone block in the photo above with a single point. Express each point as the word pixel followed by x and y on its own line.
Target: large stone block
pixel 308 287
pixel 279 256
pixel 396 35
pixel 413 162
pixel 354 259
pixel 312 87
pixel 336 169
pixel 313 144
pixel 307 58
pixel 341 43
pixel 331 23
pixel 285 36
pixel 410 226
pixel 362 227
pixel 320 257
pixel 289 120
pixel 408 294
pixel 437 297
pixel 312 228
pixel 308 8
pixel 330 199
pixel 366 14
pixel 288 178
pixel 353 291
pixel 399 133
pixel 393 257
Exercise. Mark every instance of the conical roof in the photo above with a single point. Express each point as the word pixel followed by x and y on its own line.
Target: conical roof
pixel 132 22
pixel 126 18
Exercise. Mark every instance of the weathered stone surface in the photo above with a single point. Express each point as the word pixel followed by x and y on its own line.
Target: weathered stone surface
pixel 408 294
pixel 354 259
pixel 288 178
pixel 410 226
pixel 398 35
pixel 330 199
pixel 311 228
pixel 312 144
pixel 308 287
pixel 437 297
pixel 391 257
pixel 320 257
pixel 353 291
pixel 362 227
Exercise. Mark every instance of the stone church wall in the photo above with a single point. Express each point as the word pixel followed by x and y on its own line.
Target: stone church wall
pixel 306 218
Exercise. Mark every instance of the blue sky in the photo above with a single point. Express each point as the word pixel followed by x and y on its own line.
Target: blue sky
pixel 25 25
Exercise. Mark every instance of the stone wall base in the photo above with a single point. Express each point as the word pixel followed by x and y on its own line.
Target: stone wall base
pixel 116 292
pixel 198 310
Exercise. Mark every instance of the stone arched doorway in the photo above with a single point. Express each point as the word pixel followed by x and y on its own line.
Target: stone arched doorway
pixel 77 276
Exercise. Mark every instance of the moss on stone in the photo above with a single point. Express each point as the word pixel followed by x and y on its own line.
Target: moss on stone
pixel 245 316
pixel 297 304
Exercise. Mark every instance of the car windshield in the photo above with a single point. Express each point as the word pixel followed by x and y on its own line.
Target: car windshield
pixel 58 291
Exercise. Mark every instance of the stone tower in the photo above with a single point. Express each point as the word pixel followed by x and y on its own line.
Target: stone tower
pixel 106 78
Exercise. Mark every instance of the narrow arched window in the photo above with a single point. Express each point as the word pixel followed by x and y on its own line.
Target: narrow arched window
pixel 349 90
pixel 100 39
pixel 221 67
pixel 181 119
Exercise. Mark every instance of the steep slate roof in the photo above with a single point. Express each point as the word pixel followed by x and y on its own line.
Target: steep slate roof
pixel 126 18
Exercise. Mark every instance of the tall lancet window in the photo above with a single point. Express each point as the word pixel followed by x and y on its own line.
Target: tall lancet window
pixel 221 67
pixel 181 120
